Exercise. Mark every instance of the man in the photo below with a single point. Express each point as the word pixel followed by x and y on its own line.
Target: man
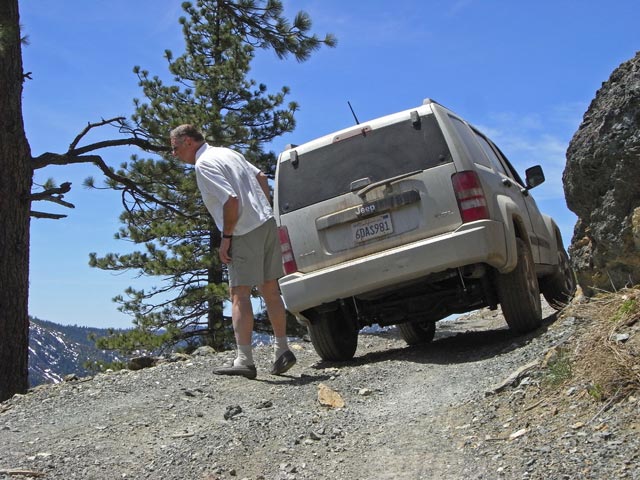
pixel 236 193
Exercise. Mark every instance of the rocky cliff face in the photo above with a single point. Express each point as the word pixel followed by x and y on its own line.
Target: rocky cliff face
pixel 602 184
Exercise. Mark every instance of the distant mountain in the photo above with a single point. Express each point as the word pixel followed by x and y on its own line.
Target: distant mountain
pixel 58 350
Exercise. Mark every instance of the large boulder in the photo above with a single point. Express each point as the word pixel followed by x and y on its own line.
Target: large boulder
pixel 602 185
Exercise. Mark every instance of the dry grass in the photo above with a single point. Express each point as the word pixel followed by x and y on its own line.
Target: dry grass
pixel 606 358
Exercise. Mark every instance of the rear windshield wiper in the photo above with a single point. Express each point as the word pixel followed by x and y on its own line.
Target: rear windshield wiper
pixel 363 192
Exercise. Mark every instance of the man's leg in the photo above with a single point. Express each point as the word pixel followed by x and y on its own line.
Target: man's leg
pixel 275 308
pixel 284 358
pixel 242 314
pixel 242 319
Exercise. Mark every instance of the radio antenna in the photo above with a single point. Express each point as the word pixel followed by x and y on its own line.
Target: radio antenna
pixel 353 113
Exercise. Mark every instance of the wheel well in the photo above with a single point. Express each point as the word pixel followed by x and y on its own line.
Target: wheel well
pixel 514 231
pixel 520 230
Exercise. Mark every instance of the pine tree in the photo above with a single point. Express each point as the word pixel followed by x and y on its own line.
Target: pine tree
pixel 15 185
pixel 17 197
pixel 210 89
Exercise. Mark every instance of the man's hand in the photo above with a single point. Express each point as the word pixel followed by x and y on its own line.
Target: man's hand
pixel 225 250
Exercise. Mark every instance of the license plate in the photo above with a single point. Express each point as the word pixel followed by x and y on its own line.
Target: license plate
pixel 372 228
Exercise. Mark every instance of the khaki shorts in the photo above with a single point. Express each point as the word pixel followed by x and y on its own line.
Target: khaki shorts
pixel 256 256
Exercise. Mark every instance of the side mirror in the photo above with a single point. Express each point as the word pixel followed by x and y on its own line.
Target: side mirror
pixel 534 176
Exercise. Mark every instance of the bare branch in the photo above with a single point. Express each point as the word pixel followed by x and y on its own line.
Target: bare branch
pixel 59 201
pixel 51 216
pixel 54 195
pixel 89 126
pixel 145 145
pixel 78 155
pixel 50 193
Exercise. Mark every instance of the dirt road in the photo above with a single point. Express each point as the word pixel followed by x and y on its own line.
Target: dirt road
pixel 395 412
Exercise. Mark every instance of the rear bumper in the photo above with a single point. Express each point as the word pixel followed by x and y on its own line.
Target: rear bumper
pixel 478 242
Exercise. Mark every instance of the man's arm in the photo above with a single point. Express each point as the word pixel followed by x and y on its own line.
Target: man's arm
pixel 230 214
pixel 263 180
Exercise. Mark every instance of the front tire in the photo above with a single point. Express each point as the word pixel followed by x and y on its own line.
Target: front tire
pixel 519 293
pixel 334 336
pixel 417 333
pixel 560 287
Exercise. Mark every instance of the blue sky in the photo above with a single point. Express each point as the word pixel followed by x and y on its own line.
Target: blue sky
pixel 523 72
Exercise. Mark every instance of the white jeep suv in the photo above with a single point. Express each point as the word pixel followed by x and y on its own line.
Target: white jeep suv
pixel 406 219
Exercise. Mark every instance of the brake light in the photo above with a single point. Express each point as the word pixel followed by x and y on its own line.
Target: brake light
pixel 288 260
pixel 470 196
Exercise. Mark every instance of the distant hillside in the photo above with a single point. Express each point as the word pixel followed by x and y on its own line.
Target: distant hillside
pixel 58 350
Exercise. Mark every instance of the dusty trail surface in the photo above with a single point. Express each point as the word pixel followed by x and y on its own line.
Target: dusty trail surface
pixel 409 413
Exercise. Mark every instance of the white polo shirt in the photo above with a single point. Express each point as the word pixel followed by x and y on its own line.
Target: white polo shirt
pixel 222 173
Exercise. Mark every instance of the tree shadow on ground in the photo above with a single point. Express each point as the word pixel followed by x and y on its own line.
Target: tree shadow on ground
pixel 450 346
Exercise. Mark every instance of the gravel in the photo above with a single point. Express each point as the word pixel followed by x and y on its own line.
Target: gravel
pixel 461 407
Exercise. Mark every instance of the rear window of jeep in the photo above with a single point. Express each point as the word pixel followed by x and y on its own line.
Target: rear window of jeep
pixel 379 154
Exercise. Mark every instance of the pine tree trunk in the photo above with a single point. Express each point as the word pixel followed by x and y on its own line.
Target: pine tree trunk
pixel 215 318
pixel 15 189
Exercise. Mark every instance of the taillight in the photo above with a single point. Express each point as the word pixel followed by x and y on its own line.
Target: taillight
pixel 288 260
pixel 470 196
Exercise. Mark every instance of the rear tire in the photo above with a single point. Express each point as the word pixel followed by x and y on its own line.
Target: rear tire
pixel 334 336
pixel 519 294
pixel 560 287
pixel 417 333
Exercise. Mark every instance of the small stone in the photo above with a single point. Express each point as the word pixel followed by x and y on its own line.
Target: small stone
pixel 606 435
pixel 518 434
pixel 621 337
pixel 204 351
pixel 232 411
pixel 178 357
pixel 138 363
pixel 329 398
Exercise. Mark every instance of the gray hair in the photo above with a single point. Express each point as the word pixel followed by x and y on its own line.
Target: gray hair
pixel 187 130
